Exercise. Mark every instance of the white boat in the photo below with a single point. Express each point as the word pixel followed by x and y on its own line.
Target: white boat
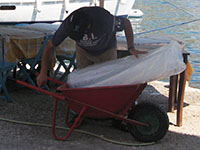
pixel 50 10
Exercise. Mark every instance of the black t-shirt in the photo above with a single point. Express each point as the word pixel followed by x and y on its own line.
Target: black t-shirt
pixel 99 37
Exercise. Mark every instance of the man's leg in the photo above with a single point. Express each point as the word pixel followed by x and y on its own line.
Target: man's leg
pixel 83 59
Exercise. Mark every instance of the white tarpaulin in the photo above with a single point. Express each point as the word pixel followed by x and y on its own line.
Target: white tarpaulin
pixel 158 63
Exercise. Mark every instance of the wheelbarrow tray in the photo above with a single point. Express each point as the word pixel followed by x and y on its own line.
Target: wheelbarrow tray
pixel 114 99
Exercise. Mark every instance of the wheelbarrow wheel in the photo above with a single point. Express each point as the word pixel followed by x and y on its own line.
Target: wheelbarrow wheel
pixel 152 115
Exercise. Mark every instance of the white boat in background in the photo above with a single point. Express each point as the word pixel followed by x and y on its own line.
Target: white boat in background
pixel 49 10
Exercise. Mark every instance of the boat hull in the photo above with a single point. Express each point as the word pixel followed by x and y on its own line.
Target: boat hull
pixel 48 10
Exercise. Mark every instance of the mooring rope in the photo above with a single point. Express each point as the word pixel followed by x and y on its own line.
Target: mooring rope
pixel 184 10
pixel 167 27
pixel 174 25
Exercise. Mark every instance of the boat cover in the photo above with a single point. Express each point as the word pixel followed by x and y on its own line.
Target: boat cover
pixel 158 63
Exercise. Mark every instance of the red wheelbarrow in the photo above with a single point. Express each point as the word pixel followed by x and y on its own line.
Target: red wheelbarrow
pixel 146 121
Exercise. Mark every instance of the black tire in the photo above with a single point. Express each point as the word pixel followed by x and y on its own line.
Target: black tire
pixel 152 115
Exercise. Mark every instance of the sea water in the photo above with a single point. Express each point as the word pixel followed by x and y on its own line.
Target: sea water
pixel 180 18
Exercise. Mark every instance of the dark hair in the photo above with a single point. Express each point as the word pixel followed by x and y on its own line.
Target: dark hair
pixel 79 22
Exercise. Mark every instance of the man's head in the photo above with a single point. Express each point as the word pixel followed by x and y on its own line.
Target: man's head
pixel 79 22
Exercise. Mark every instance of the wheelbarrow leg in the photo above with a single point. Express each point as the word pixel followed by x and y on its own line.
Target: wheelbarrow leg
pixel 72 127
pixel 68 122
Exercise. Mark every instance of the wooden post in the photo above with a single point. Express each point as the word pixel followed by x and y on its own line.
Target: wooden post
pixel 172 92
pixel 101 3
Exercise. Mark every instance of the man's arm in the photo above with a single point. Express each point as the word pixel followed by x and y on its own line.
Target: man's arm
pixel 130 39
pixel 47 56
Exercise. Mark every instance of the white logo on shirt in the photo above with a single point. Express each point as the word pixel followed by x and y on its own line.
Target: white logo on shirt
pixel 89 40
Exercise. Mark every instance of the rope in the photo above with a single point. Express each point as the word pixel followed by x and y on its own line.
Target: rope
pixel 79 131
pixel 179 24
pixel 180 8
pixel 163 28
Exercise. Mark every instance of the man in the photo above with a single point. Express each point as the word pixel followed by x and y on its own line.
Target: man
pixel 94 31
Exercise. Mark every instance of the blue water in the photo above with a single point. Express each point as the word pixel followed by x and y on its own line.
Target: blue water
pixel 163 13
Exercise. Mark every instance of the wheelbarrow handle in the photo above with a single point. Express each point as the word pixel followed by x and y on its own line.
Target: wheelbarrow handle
pixel 50 79
pixel 41 90
pixel 111 114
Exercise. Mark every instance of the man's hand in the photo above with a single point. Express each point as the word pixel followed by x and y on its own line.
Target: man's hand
pixel 136 53
pixel 41 79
